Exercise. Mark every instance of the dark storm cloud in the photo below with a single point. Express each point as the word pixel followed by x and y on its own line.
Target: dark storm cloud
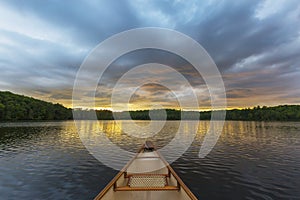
pixel 139 57
pixel 61 96
pixel 28 58
pixel 86 22
pixel 255 45
pixel 232 32
pixel 238 93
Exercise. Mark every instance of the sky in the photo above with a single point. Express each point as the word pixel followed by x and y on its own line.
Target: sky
pixel 254 43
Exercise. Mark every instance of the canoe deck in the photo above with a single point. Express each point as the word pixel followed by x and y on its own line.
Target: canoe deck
pixel 146 176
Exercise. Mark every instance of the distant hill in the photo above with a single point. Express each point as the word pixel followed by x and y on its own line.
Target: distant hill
pixel 14 107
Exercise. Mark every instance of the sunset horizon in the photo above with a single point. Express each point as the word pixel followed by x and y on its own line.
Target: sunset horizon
pixel 151 108
pixel 255 46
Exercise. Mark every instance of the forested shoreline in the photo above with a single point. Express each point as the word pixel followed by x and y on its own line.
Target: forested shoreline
pixel 14 107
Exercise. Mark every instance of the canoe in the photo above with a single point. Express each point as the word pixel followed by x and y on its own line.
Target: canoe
pixel 146 176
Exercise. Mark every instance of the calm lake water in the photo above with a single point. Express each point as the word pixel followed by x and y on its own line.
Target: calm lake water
pixel 252 160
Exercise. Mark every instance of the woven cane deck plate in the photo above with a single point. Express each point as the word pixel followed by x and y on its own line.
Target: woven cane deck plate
pixel 147 181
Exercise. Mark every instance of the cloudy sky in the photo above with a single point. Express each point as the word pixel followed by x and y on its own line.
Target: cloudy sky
pixel 255 45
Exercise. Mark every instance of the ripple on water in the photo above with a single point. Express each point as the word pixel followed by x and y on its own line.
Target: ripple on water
pixel 252 160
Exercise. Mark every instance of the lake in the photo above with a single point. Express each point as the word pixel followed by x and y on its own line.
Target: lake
pixel 251 160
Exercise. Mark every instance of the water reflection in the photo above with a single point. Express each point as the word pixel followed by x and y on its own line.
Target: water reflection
pixel 109 142
pixel 252 160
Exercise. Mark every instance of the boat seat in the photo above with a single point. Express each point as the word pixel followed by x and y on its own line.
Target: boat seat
pixel 146 182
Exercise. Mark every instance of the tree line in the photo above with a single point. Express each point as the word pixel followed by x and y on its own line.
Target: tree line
pixel 275 113
pixel 15 107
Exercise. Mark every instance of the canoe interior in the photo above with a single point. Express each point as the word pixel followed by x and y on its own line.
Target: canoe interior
pixel 147 176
